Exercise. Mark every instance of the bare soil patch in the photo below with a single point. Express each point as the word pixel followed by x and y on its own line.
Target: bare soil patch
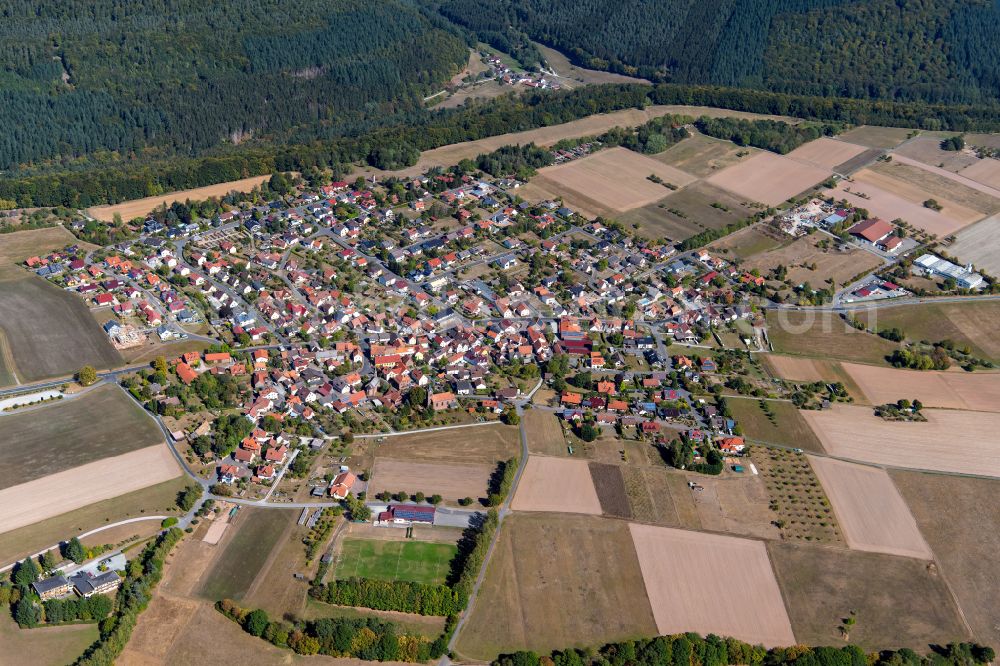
pixel 821 586
pixel 49 332
pixel 702 155
pixel 950 440
pixel 826 153
pixel 768 178
pixel 979 245
pixel 947 390
pixel 985 171
pixel 712 596
pixel 64 434
pixel 610 487
pixel 871 512
pixel 451 481
pixel 960 518
pixel 545 565
pixel 142 207
pixel 556 484
pixel 64 491
pixel 615 177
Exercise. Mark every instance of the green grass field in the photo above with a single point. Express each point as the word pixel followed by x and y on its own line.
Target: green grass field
pixel 259 531
pixel 973 324
pixel 416 561
pixel 788 429
pixel 824 335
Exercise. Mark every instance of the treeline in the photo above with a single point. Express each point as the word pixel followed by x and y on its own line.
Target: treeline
pixel 395 595
pixel 709 235
pixel 141 578
pixel 914 50
pixel 690 648
pixel 774 135
pixel 371 639
pixel 93 183
pixel 87 609
pixel 650 138
pixel 501 481
pixel 518 161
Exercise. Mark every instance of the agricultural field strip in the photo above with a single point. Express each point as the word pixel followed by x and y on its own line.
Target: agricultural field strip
pixel 979 245
pixel 556 485
pixel 871 512
pixel 826 153
pixel 986 171
pixel 944 390
pixel 769 178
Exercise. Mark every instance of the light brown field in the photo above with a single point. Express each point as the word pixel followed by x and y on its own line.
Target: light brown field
pixel 979 245
pixel 451 481
pixel 693 585
pixel 888 205
pixel 871 512
pixel 971 323
pixel 486 444
pixel 941 183
pixel 561 65
pixel 874 136
pixel 769 178
pixel 556 484
pixel 701 155
pixel 825 152
pixel 947 390
pixel 803 252
pixel 986 171
pixel 545 433
pixel 558 581
pixel 927 150
pixel 142 207
pixel 58 493
pixel 950 440
pixel 17 246
pixel 615 177
pixel 813 370
pixel 960 518
pixel 750 241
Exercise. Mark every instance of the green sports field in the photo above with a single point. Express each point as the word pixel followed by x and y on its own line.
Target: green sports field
pixel 416 561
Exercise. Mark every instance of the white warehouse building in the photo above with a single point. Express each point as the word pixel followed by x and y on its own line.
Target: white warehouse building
pixel 935 265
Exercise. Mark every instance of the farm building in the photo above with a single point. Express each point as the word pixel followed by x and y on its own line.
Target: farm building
pixel 871 231
pixel 406 514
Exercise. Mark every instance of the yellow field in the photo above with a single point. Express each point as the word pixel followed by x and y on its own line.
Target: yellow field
pixel 142 207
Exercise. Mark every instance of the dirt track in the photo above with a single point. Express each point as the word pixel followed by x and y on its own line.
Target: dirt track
pixel 870 510
pixel 711 584
pixel 58 493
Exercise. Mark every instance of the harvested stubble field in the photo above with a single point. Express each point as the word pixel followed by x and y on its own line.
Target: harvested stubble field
pixel 826 153
pixel 615 177
pixel 750 241
pixel 452 481
pixel 768 178
pixel 610 486
pixel 874 136
pixel 687 212
pixel 960 518
pixel 927 150
pixel 64 434
pixel 899 601
pixel 71 489
pixel 942 184
pixel 743 602
pixel 803 253
pixel 871 512
pixel 485 444
pixel 946 390
pixel 985 171
pixel 890 199
pixel 49 332
pixel 701 155
pixel 797 497
pixel 824 335
pixel 17 246
pixel 800 369
pixel 661 497
pixel 251 539
pixel 159 499
pixel 556 484
pixel 972 323
pixel 950 440
pixel 979 245
pixel 557 581
pixel 545 433
pixel 786 429
pixel 417 561
pixel 141 207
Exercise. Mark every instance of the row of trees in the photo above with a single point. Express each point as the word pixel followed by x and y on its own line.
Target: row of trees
pixel 712 650
pixel 774 135
pixel 394 595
